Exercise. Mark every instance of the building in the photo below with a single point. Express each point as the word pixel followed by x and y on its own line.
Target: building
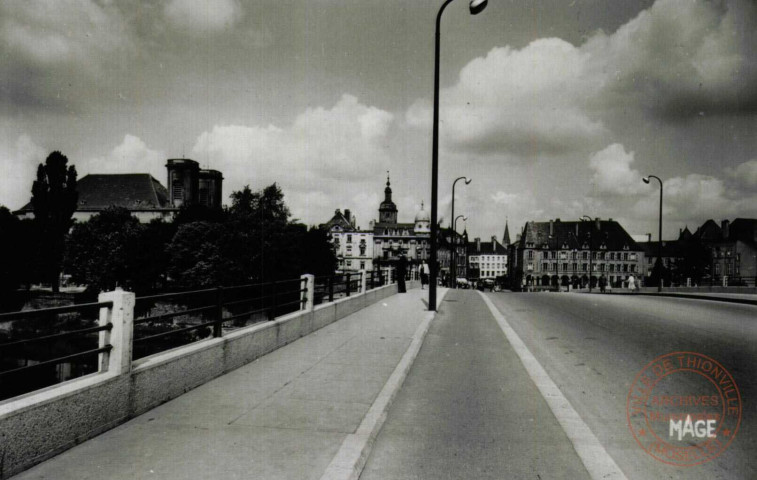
pixel 392 238
pixel 353 247
pixel 732 249
pixel 555 253
pixel 487 259
pixel 143 195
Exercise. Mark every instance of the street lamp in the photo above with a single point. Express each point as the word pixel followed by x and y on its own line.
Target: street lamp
pixel 659 234
pixel 453 265
pixel 586 217
pixel 476 7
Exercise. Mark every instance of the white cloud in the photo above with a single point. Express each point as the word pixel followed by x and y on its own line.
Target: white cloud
pixel 676 59
pixel 745 173
pixel 201 16
pixel 613 174
pixel 18 169
pixel 325 151
pixel 60 32
pixel 131 156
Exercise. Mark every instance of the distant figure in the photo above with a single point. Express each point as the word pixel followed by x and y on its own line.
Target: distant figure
pixel 602 284
pixel 401 273
pixel 631 283
pixel 425 272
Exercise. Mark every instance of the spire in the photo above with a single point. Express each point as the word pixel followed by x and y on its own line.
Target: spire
pixel 388 189
pixel 506 236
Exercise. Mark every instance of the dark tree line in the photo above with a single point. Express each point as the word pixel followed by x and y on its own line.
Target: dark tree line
pixel 251 241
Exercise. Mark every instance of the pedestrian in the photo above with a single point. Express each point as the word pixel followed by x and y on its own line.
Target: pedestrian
pixel 602 284
pixel 631 283
pixel 401 273
pixel 425 272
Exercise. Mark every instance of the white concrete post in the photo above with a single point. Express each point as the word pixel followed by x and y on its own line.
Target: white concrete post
pixel 363 281
pixel 121 315
pixel 308 296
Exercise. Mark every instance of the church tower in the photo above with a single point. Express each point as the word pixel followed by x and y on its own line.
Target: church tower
pixel 387 209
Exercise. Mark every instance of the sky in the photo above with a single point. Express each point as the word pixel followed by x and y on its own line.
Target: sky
pixel 554 109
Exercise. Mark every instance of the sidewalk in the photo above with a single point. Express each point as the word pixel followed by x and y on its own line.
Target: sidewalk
pixel 283 416
pixel 743 298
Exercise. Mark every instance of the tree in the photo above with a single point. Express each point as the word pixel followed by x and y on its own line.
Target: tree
pixel 100 253
pixel 54 199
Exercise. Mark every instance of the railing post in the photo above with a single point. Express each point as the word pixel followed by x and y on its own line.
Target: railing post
pixel 121 316
pixel 307 297
pixel 331 288
pixel 274 299
pixel 347 283
pixel 363 281
pixel 218 325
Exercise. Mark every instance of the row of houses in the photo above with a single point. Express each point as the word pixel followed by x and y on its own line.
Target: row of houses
pixel 552 254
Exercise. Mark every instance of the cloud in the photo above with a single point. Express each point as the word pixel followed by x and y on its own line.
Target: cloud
pixel 325 150
pixel 613 174
pixel 675 60
pixel 200 16
pixel 744 174
pixel 18 169
pixel 52 47
pixel 131 156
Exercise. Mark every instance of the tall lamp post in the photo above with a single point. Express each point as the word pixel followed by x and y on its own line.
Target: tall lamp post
pixel 659 234
pixel 476 7
pixel 586 217
pixel 453 265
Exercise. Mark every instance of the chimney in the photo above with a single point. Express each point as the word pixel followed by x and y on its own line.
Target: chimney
pixel 649 238
pixel 577 229
pixel 478 244
pixel 347 214
pixel 551 228
pixel 599 223
pixel 517 237
pixel 494 241
pixel 725 228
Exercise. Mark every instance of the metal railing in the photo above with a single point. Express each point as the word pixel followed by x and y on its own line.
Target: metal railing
pixel 209 312
pixel 54 344
pixel 39 348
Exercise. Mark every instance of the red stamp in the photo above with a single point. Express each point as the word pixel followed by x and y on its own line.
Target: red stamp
pixel 684 408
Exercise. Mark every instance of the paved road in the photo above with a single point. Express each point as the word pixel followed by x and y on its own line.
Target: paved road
pixel 469 410
pixel 593 346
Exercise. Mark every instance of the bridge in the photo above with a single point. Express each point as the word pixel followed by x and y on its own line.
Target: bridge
pixel 492 385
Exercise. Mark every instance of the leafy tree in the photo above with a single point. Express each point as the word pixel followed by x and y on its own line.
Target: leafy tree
pixel 101 252
pixel 195 258
pixel 148 260
pixel 54 198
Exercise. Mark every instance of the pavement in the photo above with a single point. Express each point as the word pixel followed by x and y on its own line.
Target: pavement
pixel 283 416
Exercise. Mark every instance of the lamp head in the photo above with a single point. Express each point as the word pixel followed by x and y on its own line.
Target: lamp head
pixel 477 6
pixel 467 182
pixel 645 179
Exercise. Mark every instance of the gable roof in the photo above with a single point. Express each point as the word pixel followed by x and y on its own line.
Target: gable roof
pixel 574 235
pixel 487 248
pixel 339 220
pixel 133 191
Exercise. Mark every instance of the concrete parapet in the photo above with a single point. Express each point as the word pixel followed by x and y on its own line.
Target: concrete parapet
pixel 41 424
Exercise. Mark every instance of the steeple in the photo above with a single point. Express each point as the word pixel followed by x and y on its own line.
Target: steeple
pixel 506 236
pixel 387 209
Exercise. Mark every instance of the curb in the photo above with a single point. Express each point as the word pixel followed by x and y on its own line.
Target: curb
pixel 744 301
pixel 350 460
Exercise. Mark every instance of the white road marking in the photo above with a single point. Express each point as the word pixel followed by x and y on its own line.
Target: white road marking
pixel 350 460
pixel 595 458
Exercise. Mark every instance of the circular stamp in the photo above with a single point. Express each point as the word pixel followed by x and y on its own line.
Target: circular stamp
pixel 684 408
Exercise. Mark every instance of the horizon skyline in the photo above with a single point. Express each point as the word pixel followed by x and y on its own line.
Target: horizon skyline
pixel 547 107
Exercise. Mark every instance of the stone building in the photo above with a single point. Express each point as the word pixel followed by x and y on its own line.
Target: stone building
pixel 353 247
pixel 486 259
pixel 143 195
pixel 555 253
pixel 732 248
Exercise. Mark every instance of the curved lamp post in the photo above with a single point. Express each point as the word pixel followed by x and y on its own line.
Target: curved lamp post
pixel 476 7
pixel 659 233
pixel 453 265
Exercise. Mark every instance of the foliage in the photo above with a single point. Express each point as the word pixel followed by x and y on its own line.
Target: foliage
pixel 54 198
pixel 100 253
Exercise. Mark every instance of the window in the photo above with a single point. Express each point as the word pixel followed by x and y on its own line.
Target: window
pixel 717 269
pixel 553 255
pixel 584 255
pixel 564 267
pixel 612 267
pixel 625 256
pixel 574 256
pixel 545 267
pixel 585 267
pixel 349 238
pixel 602 267
pixel 625 267
pixel 633 256
pixel 362 265
pixel 575 266
pixel 633 268
pixel 530 255
pixel 612 255
pixel 349 263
